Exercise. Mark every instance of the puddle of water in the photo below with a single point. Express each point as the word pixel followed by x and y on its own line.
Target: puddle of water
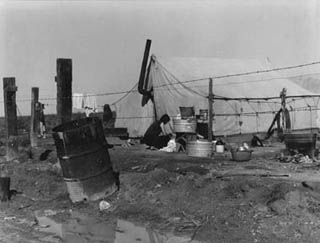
pixel 81 229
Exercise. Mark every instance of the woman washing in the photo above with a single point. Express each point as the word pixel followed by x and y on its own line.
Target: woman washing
pixel 153 137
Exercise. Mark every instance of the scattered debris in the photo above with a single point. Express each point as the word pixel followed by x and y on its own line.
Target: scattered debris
pixel 43 156
pixel 171 147
pixel 10 218
pixel 297 158
pixel 49 212
pixel 256 141
pixel 158 186
pixel 261 174
pixel 104 205
pixel 243 147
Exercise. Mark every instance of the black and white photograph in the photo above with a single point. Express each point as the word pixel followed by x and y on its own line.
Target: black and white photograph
pixel 160 121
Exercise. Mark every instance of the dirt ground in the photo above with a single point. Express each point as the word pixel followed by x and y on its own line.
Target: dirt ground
pixel 207 199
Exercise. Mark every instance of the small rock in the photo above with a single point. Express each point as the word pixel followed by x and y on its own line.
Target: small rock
pixel 279 207
pixel 104 205
pixel 174 219
pixel 158 186
pixel 49 212
pixel 10 218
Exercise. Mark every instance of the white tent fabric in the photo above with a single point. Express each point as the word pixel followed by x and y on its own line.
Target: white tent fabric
pixel 185 82
pixel 130 113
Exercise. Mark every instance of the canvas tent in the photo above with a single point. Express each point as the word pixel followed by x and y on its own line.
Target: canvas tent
pixel 131 114
pixel 176 82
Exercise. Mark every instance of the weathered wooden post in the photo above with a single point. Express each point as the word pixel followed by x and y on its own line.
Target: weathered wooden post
pixel 10 111
pixel 4 189
pixel 286 123
pixel 64 89
pixel 210 100
pixel 34 119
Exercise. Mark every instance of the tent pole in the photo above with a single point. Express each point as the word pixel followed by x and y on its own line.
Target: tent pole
pixel 283 105
pixel 141 84
pixel 210 100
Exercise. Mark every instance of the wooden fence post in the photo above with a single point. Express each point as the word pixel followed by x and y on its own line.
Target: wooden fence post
pixel 64 89
pixel 210 100
pixel 10 111
pixel 34 119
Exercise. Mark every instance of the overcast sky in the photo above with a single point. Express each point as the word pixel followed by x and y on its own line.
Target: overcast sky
pixel 106 39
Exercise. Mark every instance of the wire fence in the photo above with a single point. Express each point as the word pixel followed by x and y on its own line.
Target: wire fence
pixel 271 100
pixel 182 83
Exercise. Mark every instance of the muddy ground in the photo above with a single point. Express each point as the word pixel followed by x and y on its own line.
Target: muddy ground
pixel 206 199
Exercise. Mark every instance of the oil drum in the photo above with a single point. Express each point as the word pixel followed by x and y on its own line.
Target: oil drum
pixel 84 159
pixel 305 143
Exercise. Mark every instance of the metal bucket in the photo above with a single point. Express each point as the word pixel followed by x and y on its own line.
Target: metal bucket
pixel 303 142
pixel 199 148
pixel 185 125
pixel 84 159
pixel 204 115
pixel 220 148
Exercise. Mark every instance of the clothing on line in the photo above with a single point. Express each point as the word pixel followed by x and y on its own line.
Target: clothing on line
pixel 90 102
pixel 77 100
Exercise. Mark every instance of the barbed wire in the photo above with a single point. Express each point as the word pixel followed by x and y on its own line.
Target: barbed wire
pixel 243 82
pixel 214 77
pixel 240 114
pixel 249 73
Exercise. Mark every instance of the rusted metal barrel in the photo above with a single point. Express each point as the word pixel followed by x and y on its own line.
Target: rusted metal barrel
pixel 199 148
pixel 303 142
pixel 185 125
pixel 84 159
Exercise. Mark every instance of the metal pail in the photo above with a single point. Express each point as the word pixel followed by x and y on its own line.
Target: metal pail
pixel 199 148
pixel 84 159
pixel 203 115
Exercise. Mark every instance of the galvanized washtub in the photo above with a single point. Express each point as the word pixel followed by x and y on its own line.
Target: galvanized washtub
pixel 199 148
pixel 185 125
pixel 84 159
pixel 303 142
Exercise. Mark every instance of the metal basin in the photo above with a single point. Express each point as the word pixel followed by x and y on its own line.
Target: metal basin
pixel 199 149
pixel 185 125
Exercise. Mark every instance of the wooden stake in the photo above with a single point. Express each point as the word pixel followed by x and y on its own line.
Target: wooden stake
pixel 4 189
pixel 10 111
pixel 64 89
pixel 34 119
pixel 210 113
pixel 283 107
